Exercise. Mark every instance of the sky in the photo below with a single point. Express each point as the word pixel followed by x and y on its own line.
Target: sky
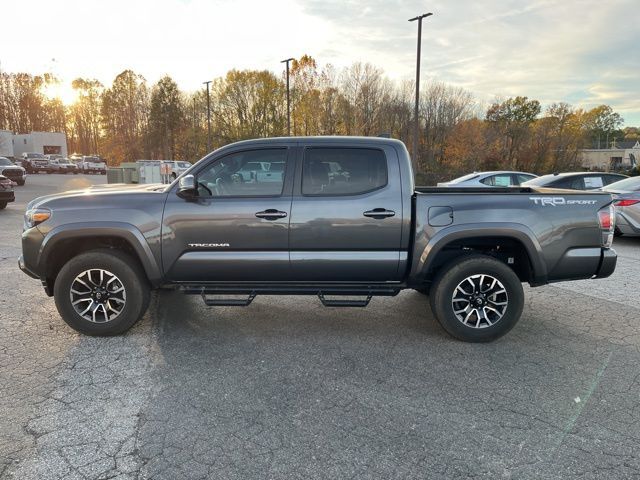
pixel 585 52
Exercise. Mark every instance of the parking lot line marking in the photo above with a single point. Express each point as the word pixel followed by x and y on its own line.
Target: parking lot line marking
pixel 583 402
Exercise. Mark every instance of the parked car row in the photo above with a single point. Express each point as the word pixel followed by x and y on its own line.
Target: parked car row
pixel 55 163
pixel 626 190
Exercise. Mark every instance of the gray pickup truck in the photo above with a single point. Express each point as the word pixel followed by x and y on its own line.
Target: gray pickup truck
pixel 339 218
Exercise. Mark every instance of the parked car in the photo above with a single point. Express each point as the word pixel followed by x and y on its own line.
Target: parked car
pixel 93 164
pixel 366 233
pixel 575 180
pixel 176 167
pixel 54 156
pixel 75 158
pixel 626 195
pixel 12 171
pixel 489 179
pixel 62 165
pixel 35 162
pixel 7 194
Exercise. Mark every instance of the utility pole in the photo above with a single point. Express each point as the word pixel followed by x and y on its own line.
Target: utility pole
pixel 195 136
pixel 208 116
pixel 416 113
pixel 288 101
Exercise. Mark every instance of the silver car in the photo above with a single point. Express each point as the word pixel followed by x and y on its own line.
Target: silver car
pixel 627 205
pixel 500 178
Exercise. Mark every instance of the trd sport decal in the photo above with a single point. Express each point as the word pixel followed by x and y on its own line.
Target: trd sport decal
pixel 556 201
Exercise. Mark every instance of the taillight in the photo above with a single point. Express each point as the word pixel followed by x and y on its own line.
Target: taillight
pixel 607 220
pixel 626 203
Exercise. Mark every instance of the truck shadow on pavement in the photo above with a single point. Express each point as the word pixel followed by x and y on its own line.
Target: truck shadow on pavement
pixel 289 388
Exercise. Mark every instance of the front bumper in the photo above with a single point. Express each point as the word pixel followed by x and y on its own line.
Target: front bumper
pixel 7 196
pixel 24 268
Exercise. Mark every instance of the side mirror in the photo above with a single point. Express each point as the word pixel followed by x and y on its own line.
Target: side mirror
pixel 187 187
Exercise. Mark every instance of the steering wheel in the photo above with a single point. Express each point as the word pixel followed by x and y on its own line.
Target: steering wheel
pixel 204 185
pixel 221 187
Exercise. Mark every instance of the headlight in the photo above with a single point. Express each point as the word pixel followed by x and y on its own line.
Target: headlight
pixel 36 216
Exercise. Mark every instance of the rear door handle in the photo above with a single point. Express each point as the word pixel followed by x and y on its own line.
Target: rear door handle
pixel 271 214
pixel 379 213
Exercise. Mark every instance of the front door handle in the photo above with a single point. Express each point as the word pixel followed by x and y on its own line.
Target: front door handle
pixel 271 214
pixel 379 213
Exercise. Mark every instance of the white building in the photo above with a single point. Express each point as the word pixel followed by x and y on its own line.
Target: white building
pixel 6 143
pixel 40 142
pixel 621 154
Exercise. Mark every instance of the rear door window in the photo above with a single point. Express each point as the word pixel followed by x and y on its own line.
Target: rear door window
pixel 500 180
pixel 342 171
pixel 520 178
pixel 594 181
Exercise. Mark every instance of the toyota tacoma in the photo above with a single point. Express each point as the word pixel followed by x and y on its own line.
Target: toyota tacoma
pixel 336 217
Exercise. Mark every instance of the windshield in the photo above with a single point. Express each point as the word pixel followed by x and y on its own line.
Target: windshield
pixel 35 155
pixel 5 161
pixel 631 184
pixel 464 178
pixel 540 181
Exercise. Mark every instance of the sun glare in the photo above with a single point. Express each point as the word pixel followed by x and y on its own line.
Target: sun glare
pixel 63 91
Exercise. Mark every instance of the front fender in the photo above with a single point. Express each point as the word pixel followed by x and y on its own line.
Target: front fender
pixel 426 252
pixel 122 230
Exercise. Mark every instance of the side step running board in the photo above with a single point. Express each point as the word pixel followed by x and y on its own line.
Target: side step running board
pixel 228 302
pixel 344 303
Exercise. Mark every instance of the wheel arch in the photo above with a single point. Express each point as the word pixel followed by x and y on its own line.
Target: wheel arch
pixel 513 239
pixel 65 242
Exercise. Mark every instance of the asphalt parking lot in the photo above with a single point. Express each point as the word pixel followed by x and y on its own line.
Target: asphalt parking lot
pixel 286 388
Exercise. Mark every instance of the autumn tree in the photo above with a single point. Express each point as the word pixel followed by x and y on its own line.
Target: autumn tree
pixel 166 118
pixel 248 104
pixel 124 114
pixel 512 120
pixel 83 133
pixel 24 107
pixel 465 148
pixel 600 123
pixel 442 107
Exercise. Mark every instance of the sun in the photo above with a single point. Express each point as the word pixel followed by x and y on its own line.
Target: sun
pixel 62 91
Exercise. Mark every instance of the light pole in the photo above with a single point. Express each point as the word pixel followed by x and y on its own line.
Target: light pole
pixel 288 101
pixel 416 118
pixel 195 138
pixel 208 117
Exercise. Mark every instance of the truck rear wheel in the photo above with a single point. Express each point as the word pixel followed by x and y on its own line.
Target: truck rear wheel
pixel 101 292
pixel 477 298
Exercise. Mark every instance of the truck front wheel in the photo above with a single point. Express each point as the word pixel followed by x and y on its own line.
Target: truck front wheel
pixel 101 292
pixel 477 298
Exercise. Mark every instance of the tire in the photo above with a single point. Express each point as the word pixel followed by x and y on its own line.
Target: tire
pixel 20 182
pixel 3 205
pixel 130 304
pixel 491 317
